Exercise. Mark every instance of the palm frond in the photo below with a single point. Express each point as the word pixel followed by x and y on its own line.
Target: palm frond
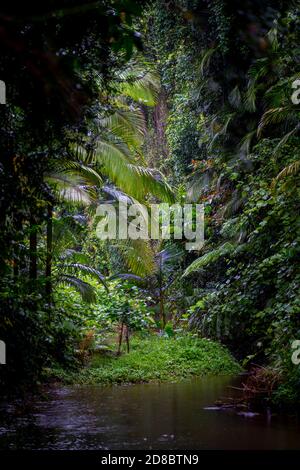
pixel 71 254
pixel 290 170
pixel 86 270
pixel 285 138
pixel 138 257
pixel 279 94
pixel 89 175
pixel 135 180
pixel 167 258
pixel 219 126
pixel 205 60
pixel 65 232
pixel 258 70
pixel 209 258
pixel 86 291
pixel 246 142
pixel 127 277
pixel 117 194
pixel 127 124
pixel 71 187
pixel 272 36
pixel 276 116
pixel 141 86
pixel 235 97
pixel 110 147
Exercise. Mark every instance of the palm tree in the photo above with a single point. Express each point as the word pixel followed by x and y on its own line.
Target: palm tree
pixel 113 152
pixel 114 148
pixel 158 282
pixel 69 263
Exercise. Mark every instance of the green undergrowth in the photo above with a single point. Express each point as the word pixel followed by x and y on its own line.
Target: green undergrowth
pixel 156 358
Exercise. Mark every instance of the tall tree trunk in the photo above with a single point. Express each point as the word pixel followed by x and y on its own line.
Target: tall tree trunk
pixel 120 339
pixel 162 313
pixel 32 250
pixel 127 339
pixel 49 247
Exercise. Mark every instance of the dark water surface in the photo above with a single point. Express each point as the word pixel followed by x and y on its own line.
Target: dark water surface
pixel 147 416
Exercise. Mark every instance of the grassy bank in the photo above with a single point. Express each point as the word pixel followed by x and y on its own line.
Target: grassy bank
pixel 156 358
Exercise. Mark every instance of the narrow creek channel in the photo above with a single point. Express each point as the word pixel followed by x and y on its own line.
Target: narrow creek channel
pixel 144 416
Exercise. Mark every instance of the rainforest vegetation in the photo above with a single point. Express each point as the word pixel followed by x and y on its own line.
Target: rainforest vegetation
pixel 180 101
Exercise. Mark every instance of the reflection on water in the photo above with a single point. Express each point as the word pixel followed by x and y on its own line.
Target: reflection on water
pixel 147 416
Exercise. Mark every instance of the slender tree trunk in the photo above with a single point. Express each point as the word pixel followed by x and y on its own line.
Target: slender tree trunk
pixel 161 295
pixel 120 339
pixel 161 302
pixel 162 312
pixel 127 339
pixel 48 271
pixel 32 250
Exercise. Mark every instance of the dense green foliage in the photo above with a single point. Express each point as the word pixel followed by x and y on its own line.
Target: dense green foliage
pixel 202 113
pixel 155 358
pixel 232 138
pixel 57 59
